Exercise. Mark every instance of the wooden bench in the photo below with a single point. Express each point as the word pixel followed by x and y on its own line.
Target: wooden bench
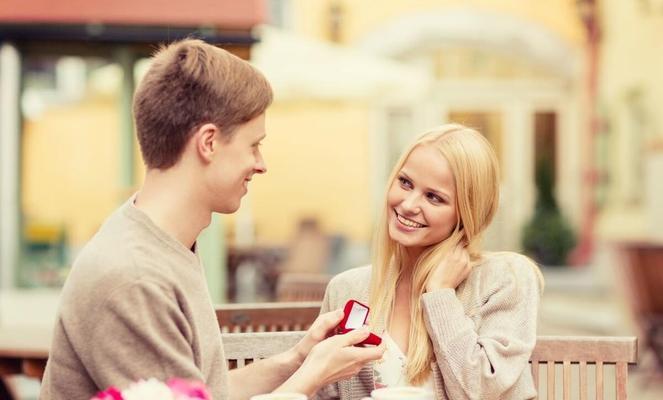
pixel 266 317
pixel 576 354
pixel 573 352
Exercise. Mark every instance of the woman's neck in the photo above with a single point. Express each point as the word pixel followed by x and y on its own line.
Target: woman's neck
pixel 410 258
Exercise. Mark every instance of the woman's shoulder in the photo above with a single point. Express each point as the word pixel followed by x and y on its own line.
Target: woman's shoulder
pixel 350 283
pixel 352 276
pixel 503 259
pixel 507 266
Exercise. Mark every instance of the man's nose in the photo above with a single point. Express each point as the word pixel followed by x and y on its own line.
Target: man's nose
pixel 261 166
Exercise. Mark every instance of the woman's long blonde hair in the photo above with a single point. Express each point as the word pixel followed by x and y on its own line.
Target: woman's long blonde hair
pixel 474 166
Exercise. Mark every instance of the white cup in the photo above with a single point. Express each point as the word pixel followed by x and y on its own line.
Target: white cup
pixel 280 396
pixel 402 393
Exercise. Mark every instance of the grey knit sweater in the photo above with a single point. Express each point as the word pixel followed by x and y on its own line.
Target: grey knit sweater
pixel 483 333
pixel 135 306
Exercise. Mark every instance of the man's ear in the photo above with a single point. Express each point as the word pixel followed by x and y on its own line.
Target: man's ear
pixel 207 141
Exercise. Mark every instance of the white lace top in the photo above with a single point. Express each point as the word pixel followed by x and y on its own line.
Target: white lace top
pixel 390 370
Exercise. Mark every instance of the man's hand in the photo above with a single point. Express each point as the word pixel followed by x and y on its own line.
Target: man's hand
pixel 452 271
pixel 331 360
pixel 322 328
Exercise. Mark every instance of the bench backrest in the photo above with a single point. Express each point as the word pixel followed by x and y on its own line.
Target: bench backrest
pixel 570 352
pixel 578 355
pixel 266 317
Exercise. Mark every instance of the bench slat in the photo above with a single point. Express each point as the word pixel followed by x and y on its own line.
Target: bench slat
pixel 551 379
pixel 621 380
pixel 567 380
pixel 583 380
pixel 599 380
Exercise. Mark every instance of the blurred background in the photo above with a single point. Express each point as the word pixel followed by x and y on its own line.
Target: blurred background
pixel 569 92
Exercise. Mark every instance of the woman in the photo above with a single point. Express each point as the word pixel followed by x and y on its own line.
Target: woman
pixel 457 320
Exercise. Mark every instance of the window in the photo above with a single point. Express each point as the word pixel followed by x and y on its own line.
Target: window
pixel 70 160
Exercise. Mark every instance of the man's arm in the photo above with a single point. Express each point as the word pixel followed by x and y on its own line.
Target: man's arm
pixel 263 376
pixel 140 332
pixel 266 375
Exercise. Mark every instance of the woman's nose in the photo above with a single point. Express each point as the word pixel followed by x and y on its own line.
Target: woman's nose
pixel 411 203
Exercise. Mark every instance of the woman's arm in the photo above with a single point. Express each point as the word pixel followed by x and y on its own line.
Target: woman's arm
pixel 485 361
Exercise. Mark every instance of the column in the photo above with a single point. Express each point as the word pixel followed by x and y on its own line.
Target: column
pixel 10 78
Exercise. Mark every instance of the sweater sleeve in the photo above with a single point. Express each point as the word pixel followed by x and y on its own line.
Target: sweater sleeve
pixel 140 332
pixel 485 361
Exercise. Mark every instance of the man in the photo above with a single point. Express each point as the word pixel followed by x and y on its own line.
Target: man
pixel 135 304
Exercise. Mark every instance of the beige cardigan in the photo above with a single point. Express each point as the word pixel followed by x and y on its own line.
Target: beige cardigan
pixel 483 333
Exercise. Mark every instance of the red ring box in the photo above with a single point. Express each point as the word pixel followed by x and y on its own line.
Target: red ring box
pixel 355 314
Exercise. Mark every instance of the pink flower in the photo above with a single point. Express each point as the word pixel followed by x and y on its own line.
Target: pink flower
pixel 112 393
pixel 185 389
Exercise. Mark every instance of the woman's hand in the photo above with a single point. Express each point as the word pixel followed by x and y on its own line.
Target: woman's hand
pixel 452 271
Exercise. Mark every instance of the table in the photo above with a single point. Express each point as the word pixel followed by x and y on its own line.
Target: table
pixel 23 350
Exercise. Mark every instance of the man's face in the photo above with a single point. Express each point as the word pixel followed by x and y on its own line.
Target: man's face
pixel 235 164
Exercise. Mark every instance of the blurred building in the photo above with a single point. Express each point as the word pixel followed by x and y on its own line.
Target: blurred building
pixel 574 81
pixel 515 70
pixel 565 80
pixel 630 138
pixel 68 154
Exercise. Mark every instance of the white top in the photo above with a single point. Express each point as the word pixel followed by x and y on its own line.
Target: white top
pixel 390 370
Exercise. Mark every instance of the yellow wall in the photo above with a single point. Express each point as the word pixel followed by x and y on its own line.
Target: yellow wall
pixel 317 159
pixel 70 169
pixel 317 156
pixel 632 58
pixel 363 17
pixel 631 95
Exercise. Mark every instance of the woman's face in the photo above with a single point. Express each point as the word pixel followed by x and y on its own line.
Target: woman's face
pixel 422 200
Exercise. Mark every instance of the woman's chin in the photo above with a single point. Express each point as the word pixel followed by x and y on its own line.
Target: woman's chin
pixel 402 239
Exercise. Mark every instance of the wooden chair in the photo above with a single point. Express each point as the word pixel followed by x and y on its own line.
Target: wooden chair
pixel 582 351
pixel 301 287
pixel 266 317
pixel 243 348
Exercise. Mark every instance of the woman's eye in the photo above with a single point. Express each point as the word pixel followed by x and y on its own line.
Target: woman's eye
pixel 435 198
pixel 404 182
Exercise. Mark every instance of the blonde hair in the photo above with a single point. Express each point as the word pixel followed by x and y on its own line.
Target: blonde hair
pixel 474 166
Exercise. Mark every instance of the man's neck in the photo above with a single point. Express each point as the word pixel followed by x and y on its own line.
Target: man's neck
pixel 172 206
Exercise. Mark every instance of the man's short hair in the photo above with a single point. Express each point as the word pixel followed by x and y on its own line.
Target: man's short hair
pixel 191 83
